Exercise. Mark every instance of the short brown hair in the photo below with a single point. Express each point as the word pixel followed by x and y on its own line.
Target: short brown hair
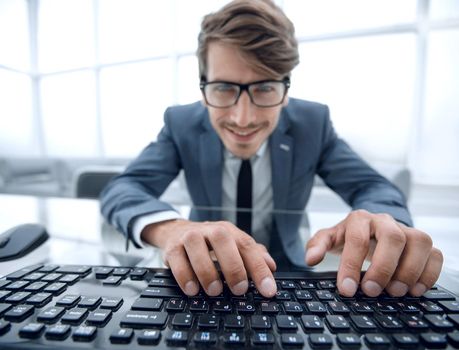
pixel 261 31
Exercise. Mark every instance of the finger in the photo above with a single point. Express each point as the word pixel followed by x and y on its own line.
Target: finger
pixel 391 242
pixel 412 262
pixel 430 274
pixel 257 267
pixel 180 266
pixel 229 258
pixel 268 258
pixel 357 241
pixel 201 262
pixel 319 244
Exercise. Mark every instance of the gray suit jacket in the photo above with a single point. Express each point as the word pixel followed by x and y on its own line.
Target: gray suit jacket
pixel 303 144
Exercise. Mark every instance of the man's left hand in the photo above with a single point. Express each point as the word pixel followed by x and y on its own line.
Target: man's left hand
pixel 402 258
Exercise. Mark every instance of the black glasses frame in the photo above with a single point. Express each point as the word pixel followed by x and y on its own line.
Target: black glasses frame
pixel 245 87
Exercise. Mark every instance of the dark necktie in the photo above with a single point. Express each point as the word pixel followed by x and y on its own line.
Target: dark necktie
pixel 244 197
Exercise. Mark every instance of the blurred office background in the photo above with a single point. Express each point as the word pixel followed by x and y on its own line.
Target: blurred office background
pixel 84 83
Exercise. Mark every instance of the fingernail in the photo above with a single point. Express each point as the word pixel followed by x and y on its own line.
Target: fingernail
pixel 371 288
pixel 312 253
pixel 214 288
pixel 348 287
pixel 240 288
pixel 268 287
pixel 418 289
pixel 397 288
pixel 191 288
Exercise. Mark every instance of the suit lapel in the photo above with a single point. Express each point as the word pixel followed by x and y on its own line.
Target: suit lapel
pixel 281 147
pixel 210 157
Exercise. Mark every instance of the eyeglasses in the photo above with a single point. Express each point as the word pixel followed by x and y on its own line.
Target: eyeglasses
pixel 264 93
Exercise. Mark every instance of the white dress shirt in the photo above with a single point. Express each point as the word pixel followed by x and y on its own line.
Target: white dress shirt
pixel 262 194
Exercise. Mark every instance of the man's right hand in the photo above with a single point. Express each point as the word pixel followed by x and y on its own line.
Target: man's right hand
pixel 188 248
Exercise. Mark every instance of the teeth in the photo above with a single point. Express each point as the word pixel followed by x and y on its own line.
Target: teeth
pixel 242 133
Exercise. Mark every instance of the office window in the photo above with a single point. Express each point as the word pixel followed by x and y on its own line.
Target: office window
pixel 16 210
pixel 188 80
pixel 368 84
pixel 65 34
pixel 69 115
pixel 438 156
pixel 130 30
pixel 133 100
pixel 14 34
pixel 314 17
pixel 444 9
pixel 18 135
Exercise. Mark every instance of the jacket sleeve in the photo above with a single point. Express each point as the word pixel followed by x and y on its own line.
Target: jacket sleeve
pixel 136 191
pixel 359 185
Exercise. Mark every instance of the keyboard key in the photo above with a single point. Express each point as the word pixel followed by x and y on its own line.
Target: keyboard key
pixel 68 301
pixel 84 333
pixel 438 295
pixel 454 319
pixel 245 307
pixel 439 323
pixel 32 330
pixel 434 340
pixel 39 299
pixel 48 268
pixel 307 285
pixel 384 307
pixel 4 294
pixel 325 295
pixel 233 338
pixel 182 320
pixel 51 314
pixel 376 340
pixel 348 339
pixel 388 322
pixel 121 271
pixel 22 272
pixel 303 294
pixel 174 305
pixel 260 322
pixel 269 307
pixel 18 313
pixel 451 306
pixel 18 297
pixel 99 317
pixel 199 305
pixel 292 307
pixel 143 319
pixel 16 285
pixel 339 307
pixel 206 338
pixel 5 326
pixel 414 322
pixel 103 272
pixel 149 337
pixel 111 303
pixel 208 321
pixel 292 339
pixel 147 304
pixel 55 288
pixel 177 337
pixel 430 307
pixel 312 323
pixel 363 323
pixel 316 307
pixel 112 281
pixel 57 332
pixel 222 306
pixel 89 302
pixel 320 340
pixel 51 277
pixel 35 286
pixel 361 307
pixel 121 336
pixel 159 292
pixel 234 321
pixel 337 323
pixel 282 295
pixel 404 340
pixel 75 269
pixel 327 285
pixel 287 285
pixel 138 274
pixel 285 322
pixel 262 338
pixel 69 278
pixel 74 316
pixel 162 282
pixel 4 308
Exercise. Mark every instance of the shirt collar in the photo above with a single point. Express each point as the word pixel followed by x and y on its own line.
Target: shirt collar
pixel 260 152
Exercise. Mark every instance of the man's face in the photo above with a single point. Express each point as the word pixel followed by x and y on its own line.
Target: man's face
pixel 242 127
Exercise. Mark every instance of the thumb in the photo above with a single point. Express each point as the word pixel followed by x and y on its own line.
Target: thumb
pixel 318 245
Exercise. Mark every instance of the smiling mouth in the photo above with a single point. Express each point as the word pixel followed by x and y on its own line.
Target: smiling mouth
pixel 243 135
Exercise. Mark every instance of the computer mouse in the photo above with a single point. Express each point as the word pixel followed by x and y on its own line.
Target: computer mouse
pixel 21 240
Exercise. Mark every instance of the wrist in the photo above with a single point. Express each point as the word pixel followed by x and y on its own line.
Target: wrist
pixel 158 233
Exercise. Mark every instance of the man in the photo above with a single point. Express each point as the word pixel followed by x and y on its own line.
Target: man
pixel 246 124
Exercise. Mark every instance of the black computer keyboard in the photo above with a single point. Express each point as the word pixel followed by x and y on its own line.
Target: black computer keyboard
pixel 103 307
